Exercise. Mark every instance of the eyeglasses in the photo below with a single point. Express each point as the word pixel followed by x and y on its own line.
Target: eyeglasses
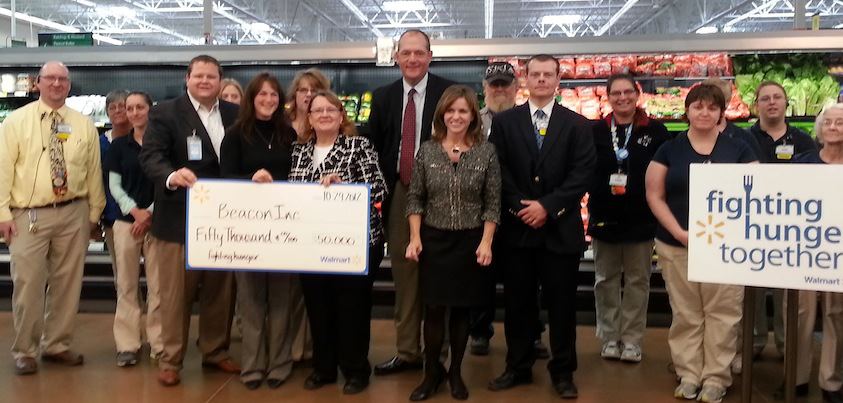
pixel 324 111
pixel 836 122
pixel 627 93
pixel 55 79
pixel 306 90
pixel 770 99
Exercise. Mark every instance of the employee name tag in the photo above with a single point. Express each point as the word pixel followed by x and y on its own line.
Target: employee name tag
pixel 194 147
pixel 784 152
pixel 617 180
pixel 63 131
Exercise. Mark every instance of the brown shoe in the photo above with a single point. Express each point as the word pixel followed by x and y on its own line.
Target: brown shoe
pixel 25 366
pixel 168 377
pixel 226 365
pixel 68 358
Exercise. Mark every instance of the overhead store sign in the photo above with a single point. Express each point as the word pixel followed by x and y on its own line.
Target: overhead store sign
pixel 66 39
pixel 770 225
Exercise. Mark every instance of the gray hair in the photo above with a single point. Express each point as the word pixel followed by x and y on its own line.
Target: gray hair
pixel 818 124
pixel 116 96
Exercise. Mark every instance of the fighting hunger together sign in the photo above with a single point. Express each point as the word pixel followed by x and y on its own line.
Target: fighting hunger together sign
pixel 294 227
pixel 766 225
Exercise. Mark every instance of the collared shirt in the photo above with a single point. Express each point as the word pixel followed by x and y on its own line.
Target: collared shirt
pixel 212 120
pixel 25 174
pixel 486 116
pixel 548 109
pixel 421 90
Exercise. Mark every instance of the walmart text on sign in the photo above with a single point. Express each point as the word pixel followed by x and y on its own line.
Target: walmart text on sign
pixel 778 226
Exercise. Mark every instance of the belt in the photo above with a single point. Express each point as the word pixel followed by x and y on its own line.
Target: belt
pixel 59 204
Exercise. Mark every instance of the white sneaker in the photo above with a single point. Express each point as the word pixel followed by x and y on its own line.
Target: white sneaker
pixel 631 353
pixel 686 390
pixel 711 394
pixel 611 351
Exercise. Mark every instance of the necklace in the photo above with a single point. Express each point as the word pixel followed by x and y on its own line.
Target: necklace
pixel 455 149
pixel 271 139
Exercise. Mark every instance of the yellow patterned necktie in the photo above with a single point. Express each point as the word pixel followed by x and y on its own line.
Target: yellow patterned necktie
pixel 58 168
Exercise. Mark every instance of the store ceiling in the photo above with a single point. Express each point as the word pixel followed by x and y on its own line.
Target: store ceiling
pixel 179 22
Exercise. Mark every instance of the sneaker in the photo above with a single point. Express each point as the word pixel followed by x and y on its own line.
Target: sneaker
pixel 479 346
pixel 686 390
pixel 127 358
pixel 631 353
pixel 712 394
pixel 611 351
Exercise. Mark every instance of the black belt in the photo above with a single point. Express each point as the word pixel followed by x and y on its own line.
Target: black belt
pixel 59 204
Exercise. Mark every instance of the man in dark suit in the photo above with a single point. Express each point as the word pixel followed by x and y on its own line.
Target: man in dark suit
pixel 182 144
pixel 547 159
pixel 401 119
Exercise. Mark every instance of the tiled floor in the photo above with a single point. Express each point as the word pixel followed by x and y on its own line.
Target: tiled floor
pixel 100 381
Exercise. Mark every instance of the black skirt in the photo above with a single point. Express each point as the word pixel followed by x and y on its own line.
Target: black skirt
pixel 449 272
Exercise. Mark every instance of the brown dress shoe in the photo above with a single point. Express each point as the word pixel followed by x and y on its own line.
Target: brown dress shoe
pixel 68 358
pixel 226 365
pixel 25 366
pixel 168 377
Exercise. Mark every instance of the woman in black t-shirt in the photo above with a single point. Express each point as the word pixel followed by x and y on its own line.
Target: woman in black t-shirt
pixel 258 147
pixel 703 332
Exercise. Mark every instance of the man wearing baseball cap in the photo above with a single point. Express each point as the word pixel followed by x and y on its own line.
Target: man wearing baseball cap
pixel 499 87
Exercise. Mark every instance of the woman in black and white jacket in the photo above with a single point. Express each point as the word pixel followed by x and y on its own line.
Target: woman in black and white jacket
pixel 339 307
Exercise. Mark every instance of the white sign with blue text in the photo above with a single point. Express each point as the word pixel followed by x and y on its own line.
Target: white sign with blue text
pixel 766 225
pixel 279 226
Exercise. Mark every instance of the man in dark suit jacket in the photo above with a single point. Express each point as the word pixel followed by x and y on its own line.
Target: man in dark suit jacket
pixel 547 159
pixel 398 124
pixel 181 145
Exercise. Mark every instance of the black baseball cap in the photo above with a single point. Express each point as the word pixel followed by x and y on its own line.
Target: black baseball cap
pixel 500 71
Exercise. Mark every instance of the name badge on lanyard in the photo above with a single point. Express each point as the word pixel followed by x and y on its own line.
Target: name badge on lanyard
pixel 63 131
pixel 784 151
pixel 194 147
pixel 617 182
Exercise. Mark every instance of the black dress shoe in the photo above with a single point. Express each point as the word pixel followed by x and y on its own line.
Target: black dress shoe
pixel 253 384
pixel 832 397
pixel 510 379
pixel 429 386
pixel 566 388
pixel 458 389
pixel 395 365
pixel 274 383
pixel 317 380
pixel 354 386
pixel 801 391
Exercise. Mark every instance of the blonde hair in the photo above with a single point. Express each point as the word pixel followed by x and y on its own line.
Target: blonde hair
pixel 818 124
pixel 346 126
pixel 316 79
pixel 229 82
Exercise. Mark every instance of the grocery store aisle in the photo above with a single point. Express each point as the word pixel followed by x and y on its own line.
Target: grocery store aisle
pixel 100 381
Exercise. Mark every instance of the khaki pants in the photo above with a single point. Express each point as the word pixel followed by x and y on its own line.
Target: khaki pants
pixel 46 268
pixel 178 289
pixel 405 274
pixel 703 334
pixel 831 353
pixel 622 316
pixel 129 317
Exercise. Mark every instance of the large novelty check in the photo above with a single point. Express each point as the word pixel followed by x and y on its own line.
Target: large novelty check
pixel 285 227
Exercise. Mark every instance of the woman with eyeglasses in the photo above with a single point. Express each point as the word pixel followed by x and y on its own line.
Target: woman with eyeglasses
pixel 703 330
pixel 621 225
pixel 829 131
pixel 258 148
pixel 304 85
pixel 339 306
pixel 133 193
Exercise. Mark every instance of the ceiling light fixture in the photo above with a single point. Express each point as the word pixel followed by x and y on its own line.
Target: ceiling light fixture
pixel 707 30
pixel 400 6
pixel 562 19
pixel 54 25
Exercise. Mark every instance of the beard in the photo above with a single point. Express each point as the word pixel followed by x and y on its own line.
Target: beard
pixel 499 103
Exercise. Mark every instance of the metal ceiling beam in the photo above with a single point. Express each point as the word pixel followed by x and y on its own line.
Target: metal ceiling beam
pixel 616 17
pixel 490 18
pixel 321 14
pixel 362 17
pixel 250 14
pixel 639 23
pixel 719 16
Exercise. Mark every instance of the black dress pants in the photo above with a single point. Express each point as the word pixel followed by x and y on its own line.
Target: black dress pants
pixel 339 308
pixel 524 269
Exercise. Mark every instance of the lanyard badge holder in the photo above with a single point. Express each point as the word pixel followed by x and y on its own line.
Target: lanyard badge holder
pixel 618 181
pixel 194 147
pixel 785 151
